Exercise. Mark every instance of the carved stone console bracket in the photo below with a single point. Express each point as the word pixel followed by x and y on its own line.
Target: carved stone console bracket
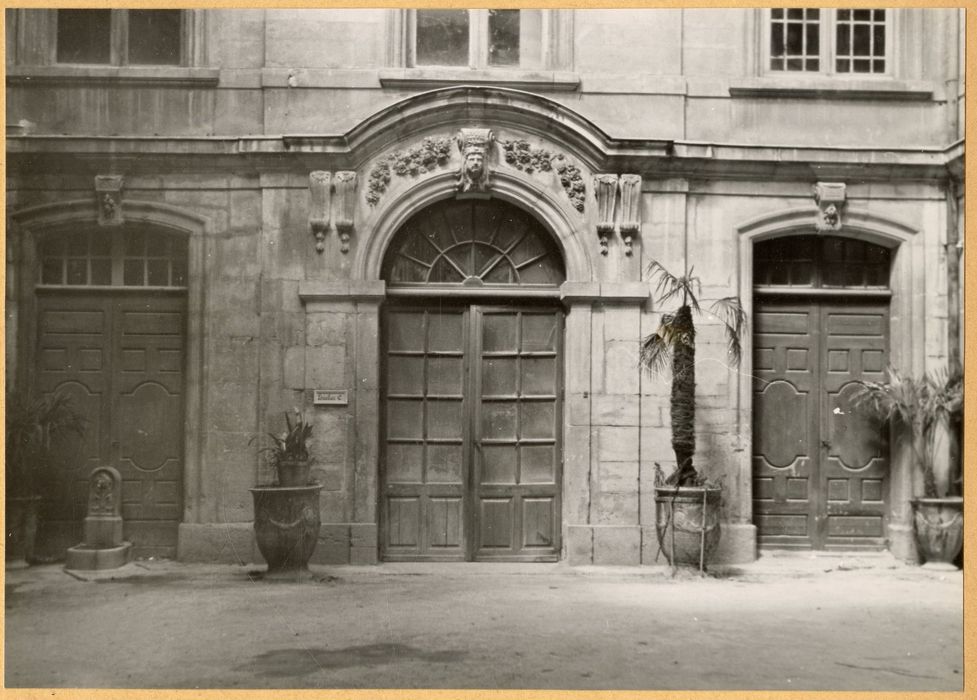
pixel 108 194
pixel 630 211
pixel 605 190
pixel 431 153
pixel 320 189
pixel 475 145
pixel 344 204
pixel 830 198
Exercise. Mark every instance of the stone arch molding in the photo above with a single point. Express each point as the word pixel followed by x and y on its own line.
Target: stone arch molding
pixel 563 222
pixel 44 216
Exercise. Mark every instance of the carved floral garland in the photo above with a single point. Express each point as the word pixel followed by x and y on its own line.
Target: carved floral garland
pixel 430 154
pixel 529 159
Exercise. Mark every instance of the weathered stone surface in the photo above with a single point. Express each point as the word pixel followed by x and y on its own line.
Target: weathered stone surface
pixel 615 508
pixel 617 444
pixel 617 546
pixel 363 555
pixel 616 409
pixel 363 534
pixel 294 368
pixel 222 543
pixel 622 372
pixel 618 477
pixel 327 329
pixel 580 545
pixel 325 367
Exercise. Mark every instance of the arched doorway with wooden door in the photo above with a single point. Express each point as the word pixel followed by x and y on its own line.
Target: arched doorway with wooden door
pixel 472 339
pixel 821 325
pixel 109 329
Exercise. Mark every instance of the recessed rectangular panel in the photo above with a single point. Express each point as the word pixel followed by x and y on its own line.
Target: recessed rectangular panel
pixel 131 491
pixel 855 324
pixel 444 464
pixel 763 358
pixel 782 322
pixel 797 359
pixel 838 361
pixel 538 376
pixel 872 361
pixel 70 322
pixel 444 522
pixel 166 492
pixel 444 376
pixel 797 489
pixel 403 522
pixel 537 464
pixel 444 332
pixel 855 526
pixel 54 359
pixel 444 418
pixel 838 490
pixel 134 360
pixel 537 522
pixel 499 420
pixel 90 359
pixel 170 360
pixel 499 464
pixel 143 323
pixel 499 333
pixel 405 375
pixel 763 488
pixel 782 525
pixel 495 523
pixel 403 462
pixel 405 419
pixel 405 331
pixel 499 376
pixel 872 490
pixel 537 420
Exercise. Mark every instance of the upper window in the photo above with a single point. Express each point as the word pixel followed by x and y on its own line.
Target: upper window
pixel 120 37
pixel 477 38
pixel 113 258
pixel 828 41
pixel 821 262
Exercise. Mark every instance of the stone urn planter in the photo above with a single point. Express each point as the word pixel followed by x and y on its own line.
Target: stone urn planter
pixel 939 531
pixel 687 523
pixel 286 526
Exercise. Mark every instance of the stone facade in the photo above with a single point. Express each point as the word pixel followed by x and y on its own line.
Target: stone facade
pixel 293 144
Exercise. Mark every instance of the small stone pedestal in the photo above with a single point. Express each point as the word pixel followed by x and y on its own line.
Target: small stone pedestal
pixel 103 547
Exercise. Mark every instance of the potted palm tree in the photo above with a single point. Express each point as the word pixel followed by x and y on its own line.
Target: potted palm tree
pixel 286 514
pixel 687 520
pixel 921 409
pixel 35 428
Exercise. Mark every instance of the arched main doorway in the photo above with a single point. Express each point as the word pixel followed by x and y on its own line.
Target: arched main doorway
pixel 111 317
pixel 472 370
pixel 821 324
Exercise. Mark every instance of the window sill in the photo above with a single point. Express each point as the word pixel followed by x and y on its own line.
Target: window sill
pixel 129 76
pixel 832 88
pixel 429 78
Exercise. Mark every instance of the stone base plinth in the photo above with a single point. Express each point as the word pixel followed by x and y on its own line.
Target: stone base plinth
pixel 86 558
pixel 633 545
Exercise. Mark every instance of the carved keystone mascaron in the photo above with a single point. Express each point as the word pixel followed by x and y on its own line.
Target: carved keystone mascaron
pixel 108 193
pixel 830 198
pixel 474 144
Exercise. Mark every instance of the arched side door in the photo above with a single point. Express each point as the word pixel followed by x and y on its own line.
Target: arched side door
pixel 471 459
pixel 821 325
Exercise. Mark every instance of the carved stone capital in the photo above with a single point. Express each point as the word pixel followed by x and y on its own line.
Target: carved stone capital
pixel 320 206
pixel 630 211
pixel 475 145
pixel 831 199
pixel 344 204
pixel 108 196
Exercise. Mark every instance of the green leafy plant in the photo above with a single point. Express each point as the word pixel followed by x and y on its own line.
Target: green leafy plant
pixel 673 344
pixel 920 404
pixel 293 444
pixel 35 427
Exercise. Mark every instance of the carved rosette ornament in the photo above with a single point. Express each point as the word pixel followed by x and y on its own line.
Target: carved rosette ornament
pixel 474 145
pixel 605 190
pixel 108 195
pixel 830 198
pixel 630 211
pixel 344 203
pixel 320 190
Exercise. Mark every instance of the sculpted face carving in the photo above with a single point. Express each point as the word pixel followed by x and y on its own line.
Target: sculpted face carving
pixel 475 164
pixel 474 173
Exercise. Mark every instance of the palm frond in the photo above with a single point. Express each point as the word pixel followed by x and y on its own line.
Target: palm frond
pixel 656 353
pixel 730 311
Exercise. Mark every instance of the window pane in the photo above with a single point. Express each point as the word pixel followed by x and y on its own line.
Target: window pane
pixel 442 38
pixel 159 272
pixel 101 271
pixel 77 271
pixel 154 37
pixel 51 271
pixel 503 38
pixel 83 36
pixel 862 40
pixel 133 274
pixel 531 39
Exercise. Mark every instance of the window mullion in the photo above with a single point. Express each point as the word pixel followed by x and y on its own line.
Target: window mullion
pixel 828 38
pixel 118 256
pixel 119 37
pixel 478 38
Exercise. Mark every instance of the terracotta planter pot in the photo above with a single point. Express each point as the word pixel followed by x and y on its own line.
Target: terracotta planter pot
pixel 286 526
pixel 684 515
pixel 22 512
pixel 294 473
pixel 939 530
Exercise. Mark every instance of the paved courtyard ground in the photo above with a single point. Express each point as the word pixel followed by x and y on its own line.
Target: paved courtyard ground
pixel 797 623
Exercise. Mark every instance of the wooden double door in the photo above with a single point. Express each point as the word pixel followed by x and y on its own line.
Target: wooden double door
pixel 120 356
pixel 820 468
pixel 471 463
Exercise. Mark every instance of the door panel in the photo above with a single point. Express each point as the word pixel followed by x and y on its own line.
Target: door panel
pixel 471 460
pixel 120 356
pixel 819 467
